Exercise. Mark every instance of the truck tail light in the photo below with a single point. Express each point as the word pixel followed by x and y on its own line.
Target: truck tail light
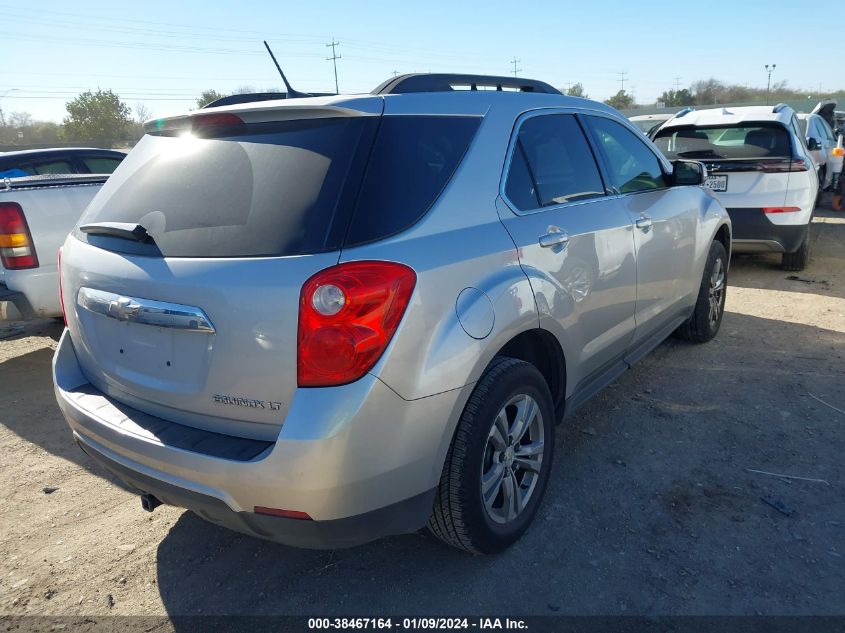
pixel 16 249
pixel 347 316
pixel 839 151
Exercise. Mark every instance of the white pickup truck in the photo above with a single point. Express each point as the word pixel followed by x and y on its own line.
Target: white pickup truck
pixel 36 215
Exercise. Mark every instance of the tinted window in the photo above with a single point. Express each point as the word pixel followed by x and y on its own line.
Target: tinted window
pixel 558 160
pixel 101 165
pixel 412 161
pixel 264 189
pixel 631 165
pixel 749 140
pixel 519 187
pixel 53 167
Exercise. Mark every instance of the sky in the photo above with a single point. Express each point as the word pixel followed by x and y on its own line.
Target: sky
pixel 164 54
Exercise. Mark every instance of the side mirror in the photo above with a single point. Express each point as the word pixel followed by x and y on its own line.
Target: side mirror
pixel 688 172
pixel 813 145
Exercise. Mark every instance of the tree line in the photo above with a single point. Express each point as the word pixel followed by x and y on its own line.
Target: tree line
pixel 102 119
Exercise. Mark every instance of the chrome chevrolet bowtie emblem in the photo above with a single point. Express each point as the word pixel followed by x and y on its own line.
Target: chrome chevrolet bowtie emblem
pixel 122 308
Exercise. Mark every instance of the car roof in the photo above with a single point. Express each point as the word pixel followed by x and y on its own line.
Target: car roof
pixel 663 116
pixel 733 116
pixel 434 101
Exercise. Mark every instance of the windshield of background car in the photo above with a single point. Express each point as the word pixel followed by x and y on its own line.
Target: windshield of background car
pixel 747 140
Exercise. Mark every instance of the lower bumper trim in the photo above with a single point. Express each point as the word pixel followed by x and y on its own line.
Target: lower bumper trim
pixel 754 232
pixel 403 517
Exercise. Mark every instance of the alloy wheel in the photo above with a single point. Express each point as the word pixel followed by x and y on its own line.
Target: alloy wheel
pixel 513 458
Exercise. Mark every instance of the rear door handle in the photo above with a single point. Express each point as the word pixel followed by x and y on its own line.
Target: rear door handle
pixel 555 237
pixel 644 222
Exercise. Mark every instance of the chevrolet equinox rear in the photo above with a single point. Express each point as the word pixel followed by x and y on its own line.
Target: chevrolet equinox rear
pixel 326 320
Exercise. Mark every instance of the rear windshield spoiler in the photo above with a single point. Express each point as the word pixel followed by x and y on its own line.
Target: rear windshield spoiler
pixel 286 111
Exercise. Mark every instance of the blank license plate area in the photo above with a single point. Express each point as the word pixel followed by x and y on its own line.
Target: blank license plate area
pixel 149 357
pixel 716 183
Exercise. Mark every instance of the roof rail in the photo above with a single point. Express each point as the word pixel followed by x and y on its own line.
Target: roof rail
pixel 779 107
pixel 683 112
pixel 446 82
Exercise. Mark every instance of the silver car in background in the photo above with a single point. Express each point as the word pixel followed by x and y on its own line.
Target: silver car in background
pixel 326 320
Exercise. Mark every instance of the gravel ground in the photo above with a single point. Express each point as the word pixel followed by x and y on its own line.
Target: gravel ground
pixel 653 507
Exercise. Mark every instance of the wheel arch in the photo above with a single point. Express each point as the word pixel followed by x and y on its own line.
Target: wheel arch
pixel 542 349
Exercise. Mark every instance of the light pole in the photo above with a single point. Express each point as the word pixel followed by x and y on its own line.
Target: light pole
pixel 2 114
pixel 770 70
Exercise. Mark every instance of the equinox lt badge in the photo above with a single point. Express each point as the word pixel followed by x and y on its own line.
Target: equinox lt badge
pixel 247 402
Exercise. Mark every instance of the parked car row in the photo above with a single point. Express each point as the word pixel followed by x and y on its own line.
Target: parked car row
pixel 766 164
pixel 326 320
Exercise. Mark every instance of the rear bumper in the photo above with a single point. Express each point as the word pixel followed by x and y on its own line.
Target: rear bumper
pixel 398 518
pixel 754 232
pixel 358 459
pixel 14 305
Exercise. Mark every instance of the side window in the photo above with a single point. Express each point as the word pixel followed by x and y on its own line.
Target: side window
pixel 519 187
pixel 101 165
pixel 54 167
pixel 552 164
pixel 631 165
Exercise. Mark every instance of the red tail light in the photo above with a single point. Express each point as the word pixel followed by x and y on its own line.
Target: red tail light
pixel 16 248
pixel 61 298
pixel 781 209
pixel 780 166
pixel 347 315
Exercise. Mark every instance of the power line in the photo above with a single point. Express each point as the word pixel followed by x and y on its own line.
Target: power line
pixel 333 59
pixel 515 70
pixel 621 80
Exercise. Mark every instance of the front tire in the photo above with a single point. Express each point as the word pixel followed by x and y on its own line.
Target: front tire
pixel 706 318
pixel 498 465
pixel 799 259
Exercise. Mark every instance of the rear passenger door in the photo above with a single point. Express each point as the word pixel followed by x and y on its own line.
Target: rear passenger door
pixel 575 243
pixel 665 220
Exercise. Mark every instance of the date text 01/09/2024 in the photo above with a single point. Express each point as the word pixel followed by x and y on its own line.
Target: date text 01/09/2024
pixel 412 624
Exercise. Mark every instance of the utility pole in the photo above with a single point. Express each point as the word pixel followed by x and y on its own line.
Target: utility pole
pixel 677 84
pixel 770 70
pixel 622 80
pixel 3 114
pixel 333 59
pixel 395 73
pixel 515 70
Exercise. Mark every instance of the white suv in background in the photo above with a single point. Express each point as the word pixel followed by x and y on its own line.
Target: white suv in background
pixel 822 144
pixel 760 168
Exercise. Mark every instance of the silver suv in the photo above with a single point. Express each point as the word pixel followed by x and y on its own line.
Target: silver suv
pixel 325 320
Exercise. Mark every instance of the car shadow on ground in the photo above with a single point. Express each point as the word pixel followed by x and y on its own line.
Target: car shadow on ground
pixel 30 411
pixel 651 507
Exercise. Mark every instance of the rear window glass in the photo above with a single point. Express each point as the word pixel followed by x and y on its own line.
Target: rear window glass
pixel 726 142
pixel 286 188
pixel 54 167
pixel 101 165
pixel 271 190
pixel 412 161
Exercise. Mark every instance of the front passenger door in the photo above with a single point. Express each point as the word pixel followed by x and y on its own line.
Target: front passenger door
pixel 666 221
pixel 575 243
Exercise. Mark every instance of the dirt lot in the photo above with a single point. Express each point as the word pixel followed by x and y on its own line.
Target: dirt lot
pixel 653 508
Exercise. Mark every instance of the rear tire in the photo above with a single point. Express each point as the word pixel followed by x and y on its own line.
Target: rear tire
pixel 498 465
pixel 799 259
pixel 706 318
